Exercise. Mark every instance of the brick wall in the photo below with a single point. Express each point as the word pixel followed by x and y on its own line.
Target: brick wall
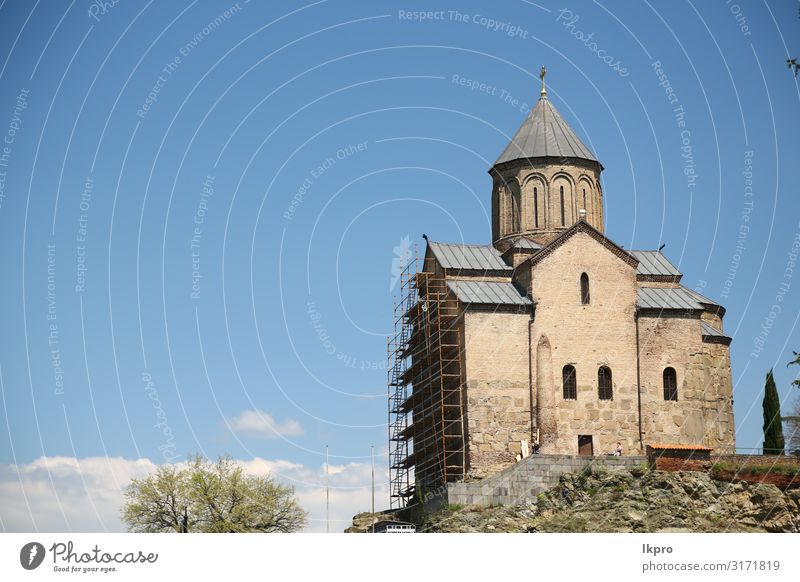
pixel 683 459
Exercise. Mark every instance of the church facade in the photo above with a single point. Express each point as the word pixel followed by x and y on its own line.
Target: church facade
pixel 558 337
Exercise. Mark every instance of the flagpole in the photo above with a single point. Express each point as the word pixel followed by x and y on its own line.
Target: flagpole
pixel 327 495
pixel 373 487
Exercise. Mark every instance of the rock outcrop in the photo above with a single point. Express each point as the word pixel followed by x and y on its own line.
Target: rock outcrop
pixel 362 522
pixel 635 501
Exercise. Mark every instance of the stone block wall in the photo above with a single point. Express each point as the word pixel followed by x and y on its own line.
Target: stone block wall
pixel 498 393
pixel 602 333
pixel 703 413
pixel 523 481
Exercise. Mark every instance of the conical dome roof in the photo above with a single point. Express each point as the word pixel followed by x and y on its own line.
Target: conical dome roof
pixel 544 133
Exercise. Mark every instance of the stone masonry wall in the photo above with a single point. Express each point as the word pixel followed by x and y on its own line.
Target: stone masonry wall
pixel 547 178
pixel 497 392
pixel 523 481
pixel 513 367
pixel 703 413
pixel 601 333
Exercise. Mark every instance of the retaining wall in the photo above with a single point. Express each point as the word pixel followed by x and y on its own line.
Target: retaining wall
pixel 525 480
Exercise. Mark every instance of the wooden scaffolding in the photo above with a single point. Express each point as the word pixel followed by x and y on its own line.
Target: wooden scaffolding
pixel 426 400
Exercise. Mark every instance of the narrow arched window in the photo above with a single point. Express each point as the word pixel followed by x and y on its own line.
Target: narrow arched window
pixel 670 384
pixel 604 387
pixel 563 218
pixel 584 289
pixel 584 199
pixel 515 204
pixel 570 384
pixel 536 207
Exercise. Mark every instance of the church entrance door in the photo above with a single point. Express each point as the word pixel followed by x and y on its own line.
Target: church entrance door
pixel 585 447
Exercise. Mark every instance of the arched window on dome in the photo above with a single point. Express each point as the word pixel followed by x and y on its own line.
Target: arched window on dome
pixel 563 217
pixel 515 208
pixel 605 389
pixel 584 199
pixel 535 207
pixel 670 384
pixel 570 383
pixel 584 289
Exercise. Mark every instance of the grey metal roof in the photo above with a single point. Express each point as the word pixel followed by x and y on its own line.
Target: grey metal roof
pixel 488 293
pixel 699 298
pixel 527 244
pixel 710 330
pixel 654 263
pixel 478 257
pixel 666 298
pixel 671 298
pixel 545 133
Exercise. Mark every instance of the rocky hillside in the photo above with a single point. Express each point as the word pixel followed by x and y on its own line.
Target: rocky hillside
pixel 635 501
pixel 362 522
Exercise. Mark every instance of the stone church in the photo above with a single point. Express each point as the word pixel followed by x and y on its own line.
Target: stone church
pixel 553 336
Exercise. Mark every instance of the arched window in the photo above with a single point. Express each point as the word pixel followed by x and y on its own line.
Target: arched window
pixel 670 384
pixel 515 204
pixel 570 385
pixel 563 220
pixel 604 388
pixel 584 289
pixel 535 207
pixel 584 199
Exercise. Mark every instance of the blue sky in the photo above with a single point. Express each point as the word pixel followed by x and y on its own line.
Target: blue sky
pixel 200 204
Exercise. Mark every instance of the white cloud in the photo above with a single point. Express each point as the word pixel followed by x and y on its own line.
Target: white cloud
pixel 85 495
pixel 67 494
pixel 260 423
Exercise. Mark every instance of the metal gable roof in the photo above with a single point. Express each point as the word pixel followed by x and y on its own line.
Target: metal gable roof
pixel 544 133
pixel 699 298
pixel 654 263
pixel 666 298
pixel 710 330
pixel 526 243
pixel 488 293
pixel 476 257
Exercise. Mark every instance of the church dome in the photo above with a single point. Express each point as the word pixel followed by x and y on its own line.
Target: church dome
pixel 545 180
pixel 544 133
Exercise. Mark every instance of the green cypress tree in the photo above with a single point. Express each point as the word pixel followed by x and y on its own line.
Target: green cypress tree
pixel 773 430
